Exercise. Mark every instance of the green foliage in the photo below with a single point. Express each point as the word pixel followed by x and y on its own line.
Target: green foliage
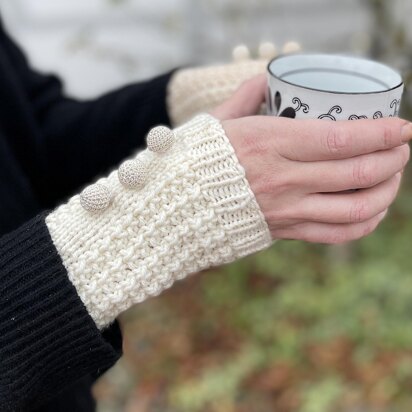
pixel 217 384
pixel 321 396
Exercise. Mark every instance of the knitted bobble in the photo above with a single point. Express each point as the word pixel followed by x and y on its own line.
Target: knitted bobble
pixel 291 47
pixel 240 53
pixel 267 50
pixel 95 198
pixel 132 174
pixel 160 139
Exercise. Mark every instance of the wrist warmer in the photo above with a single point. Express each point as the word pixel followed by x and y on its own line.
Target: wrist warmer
pixel 195 90
pixel 195 210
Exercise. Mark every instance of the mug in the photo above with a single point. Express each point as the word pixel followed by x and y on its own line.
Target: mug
pixel 332 87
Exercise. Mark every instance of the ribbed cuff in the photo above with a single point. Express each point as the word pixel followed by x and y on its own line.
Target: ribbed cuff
pixel 48 341
pixel 224 184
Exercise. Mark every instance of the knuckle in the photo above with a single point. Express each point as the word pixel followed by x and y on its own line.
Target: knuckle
pixel 337 236
pixel 351 232
pixel 359 212
pixel 254 145
pixel 363 173
pixel 266 187
pixel 348 234
pixel 337 139
pixel 388 136
pixel 280 217
pixel 276 182
pixel 265 184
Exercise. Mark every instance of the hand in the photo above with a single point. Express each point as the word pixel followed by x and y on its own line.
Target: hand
pixel 200 89
pixel 303 172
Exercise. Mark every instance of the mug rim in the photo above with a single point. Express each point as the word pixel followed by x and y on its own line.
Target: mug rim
pixel 330 91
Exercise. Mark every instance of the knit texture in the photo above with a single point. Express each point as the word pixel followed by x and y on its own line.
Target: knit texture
pixel 48 341
pixel 196 90
pixel 196 211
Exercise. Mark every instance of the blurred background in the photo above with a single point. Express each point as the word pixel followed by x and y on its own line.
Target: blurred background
pixel 298 328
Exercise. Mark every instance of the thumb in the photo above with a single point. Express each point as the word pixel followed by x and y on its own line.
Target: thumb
pixel 246 101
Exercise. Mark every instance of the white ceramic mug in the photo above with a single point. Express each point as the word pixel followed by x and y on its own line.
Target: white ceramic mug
pixel 332 87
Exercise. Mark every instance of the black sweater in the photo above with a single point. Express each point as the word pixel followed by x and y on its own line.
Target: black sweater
pixel 51 146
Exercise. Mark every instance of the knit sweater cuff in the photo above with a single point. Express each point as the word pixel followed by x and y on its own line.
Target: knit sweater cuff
pixel 196 210
pixel 225 187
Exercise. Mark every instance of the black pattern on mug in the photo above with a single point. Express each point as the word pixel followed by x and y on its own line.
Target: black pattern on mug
pixel 300 105
pixel 378 115
pixel 288 112
pixel 269 100
pixel 356 117
pixel 337 109
pixel 395 105
pixel 277 101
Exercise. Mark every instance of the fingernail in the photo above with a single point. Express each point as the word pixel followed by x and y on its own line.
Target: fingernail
pixel 406 133
pixel 383 214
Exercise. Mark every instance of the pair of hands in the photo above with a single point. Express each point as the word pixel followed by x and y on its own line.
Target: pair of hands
pixel 303 172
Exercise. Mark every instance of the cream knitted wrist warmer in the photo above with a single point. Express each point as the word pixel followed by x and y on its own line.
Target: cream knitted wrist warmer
pixel 196 210
pixel 201 89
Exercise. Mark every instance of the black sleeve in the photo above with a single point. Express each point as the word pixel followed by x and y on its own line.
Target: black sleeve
pixel 83 139
pixel 48 341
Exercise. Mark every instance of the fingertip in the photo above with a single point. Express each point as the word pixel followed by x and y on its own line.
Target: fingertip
pixel 258 80
pixel 406 132
pixel 382 215
pixel 398 127
pixel 246 100
pixel 252 89
pixel 387 133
